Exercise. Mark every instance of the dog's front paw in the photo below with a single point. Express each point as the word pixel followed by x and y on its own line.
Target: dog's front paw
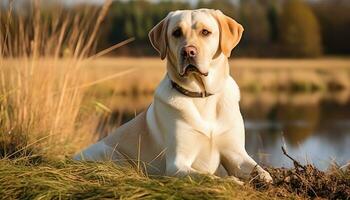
pixel 265 176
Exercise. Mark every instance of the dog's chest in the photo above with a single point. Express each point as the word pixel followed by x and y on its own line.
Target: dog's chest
pixel 207 109
pixel 212 117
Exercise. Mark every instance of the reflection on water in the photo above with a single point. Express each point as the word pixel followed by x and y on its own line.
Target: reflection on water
pixel 313 131
pixel 314 127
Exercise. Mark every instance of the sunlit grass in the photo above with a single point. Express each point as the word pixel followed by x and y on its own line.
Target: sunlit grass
pixel 73 180
pixel 41 57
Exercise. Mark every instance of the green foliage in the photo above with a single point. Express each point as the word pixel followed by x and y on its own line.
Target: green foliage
pixel 299 30
pixel 288 26
pixel 136 18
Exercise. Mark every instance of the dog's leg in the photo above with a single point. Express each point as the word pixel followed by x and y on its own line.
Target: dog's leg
pixel 100 152
pixel 240 164
pixel 234 157
pixel 95 152
pixel 179 166
pixel 181 171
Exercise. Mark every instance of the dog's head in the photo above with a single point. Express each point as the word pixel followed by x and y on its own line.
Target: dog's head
pixel 192 40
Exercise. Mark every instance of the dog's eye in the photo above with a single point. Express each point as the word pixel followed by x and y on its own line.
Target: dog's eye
pixel 177 33
pixel 205 32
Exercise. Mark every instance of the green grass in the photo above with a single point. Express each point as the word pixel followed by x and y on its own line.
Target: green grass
pixel 67 179
pixel 37 177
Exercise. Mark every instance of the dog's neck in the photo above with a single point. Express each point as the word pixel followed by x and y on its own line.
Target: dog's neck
pixel 204 86
pixel 189 93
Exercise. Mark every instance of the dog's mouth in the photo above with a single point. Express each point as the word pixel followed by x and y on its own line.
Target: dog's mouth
pixel 191 68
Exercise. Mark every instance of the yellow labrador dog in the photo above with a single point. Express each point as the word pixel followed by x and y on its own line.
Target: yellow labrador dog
pixel 194 124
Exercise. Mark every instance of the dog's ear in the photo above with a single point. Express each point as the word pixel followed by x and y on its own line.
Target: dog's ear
pixel 230 32
pixel 158 37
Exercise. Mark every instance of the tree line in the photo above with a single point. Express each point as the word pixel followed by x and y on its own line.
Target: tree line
pixel 273 28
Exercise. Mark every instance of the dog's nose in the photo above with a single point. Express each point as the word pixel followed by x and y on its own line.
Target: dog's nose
pixel 189 52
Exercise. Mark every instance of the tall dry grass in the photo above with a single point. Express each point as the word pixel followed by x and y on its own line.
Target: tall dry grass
pixel 42 81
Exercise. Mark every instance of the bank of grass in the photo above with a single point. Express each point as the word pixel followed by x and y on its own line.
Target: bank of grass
pixel 66 179
pixel 26 178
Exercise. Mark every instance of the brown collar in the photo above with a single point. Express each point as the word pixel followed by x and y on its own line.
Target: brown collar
pixel 189 93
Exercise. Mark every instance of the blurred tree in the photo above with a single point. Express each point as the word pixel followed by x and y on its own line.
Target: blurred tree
pixel 256 37
pixel 226 6
pixel 299 30
pixel 128 19
pixel 272 16
pixel 267 26
pixel 294 29
pixel 334 18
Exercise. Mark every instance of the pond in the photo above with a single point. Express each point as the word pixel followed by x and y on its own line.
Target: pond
pixel 314 127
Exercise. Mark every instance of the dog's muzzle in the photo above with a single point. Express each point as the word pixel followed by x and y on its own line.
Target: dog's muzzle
pixel 191 68
pixel 188 56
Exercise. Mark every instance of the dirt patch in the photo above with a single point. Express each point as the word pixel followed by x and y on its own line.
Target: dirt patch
pixel 307 181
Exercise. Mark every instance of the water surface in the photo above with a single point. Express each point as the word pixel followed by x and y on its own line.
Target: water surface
pixel 314 129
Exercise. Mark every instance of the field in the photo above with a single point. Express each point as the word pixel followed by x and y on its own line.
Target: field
pixel 68 99
pixel 57 95
pixel 250 74
pixel 59 111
